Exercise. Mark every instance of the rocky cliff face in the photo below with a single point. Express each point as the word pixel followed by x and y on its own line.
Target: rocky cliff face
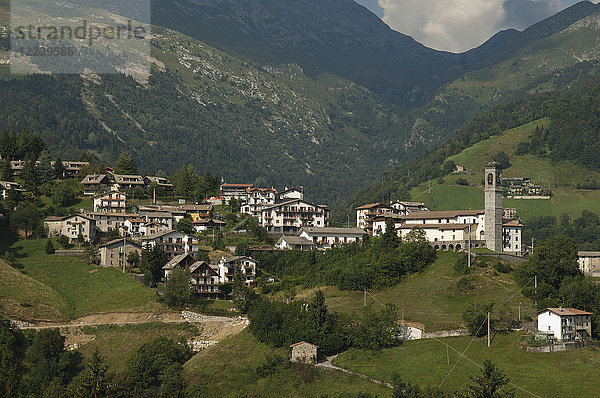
pixel 335 36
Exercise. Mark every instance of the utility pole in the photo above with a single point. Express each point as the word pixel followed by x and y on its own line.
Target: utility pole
pixel 535 286
pixel 124 252
pixel 469 249
pixel 488 326
pixel 365 300
pixel 519 311
pixel 402 316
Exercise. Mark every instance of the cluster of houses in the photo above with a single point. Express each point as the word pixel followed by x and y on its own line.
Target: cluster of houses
pixel 284 212
pixel 494 228
pixel 206 277
pixel 94 184
pixel 523 186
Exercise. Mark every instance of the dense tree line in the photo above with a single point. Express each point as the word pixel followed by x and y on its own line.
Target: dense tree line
pixel 375 263
pixel 584 230
pixel 283 323
pixel 36 364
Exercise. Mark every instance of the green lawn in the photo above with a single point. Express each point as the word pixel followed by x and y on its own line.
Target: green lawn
pixel 455 197
pixel 425 362
pixel 228 369
pixel 432 297
pixel 79 288
pixel 561 177
pixel 22 297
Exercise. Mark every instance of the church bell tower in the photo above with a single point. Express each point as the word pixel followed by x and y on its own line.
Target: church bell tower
pixel 493 207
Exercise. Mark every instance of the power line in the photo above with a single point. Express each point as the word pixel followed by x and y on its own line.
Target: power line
pixel 480 366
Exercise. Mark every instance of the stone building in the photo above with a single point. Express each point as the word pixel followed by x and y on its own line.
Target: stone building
pixel 304 352
pixel 493 207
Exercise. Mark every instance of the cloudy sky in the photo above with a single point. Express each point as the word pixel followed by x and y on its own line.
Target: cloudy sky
pixel 459 25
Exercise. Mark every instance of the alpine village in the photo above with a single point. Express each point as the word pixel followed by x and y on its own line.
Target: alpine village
pixel 317 198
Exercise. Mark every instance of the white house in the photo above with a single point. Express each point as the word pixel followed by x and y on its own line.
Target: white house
pixel 566 324
pixel 445 236
pixel 110 221
pixel 589 263
pixel 71 226
pixel 235 191
pixel 227 269
pixel 379 223
pixel 513 242
pixel 327 237
pixel 127 182
pixel 257 199
pixel 110 202
pixel 288 217
pixel 7 186
pixel 404 208
pixel 366 213
pixel 290 194
pixel 173 243
pixel 287 242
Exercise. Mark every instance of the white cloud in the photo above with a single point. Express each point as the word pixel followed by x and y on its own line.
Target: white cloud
pixel 459 25
pixel 453 25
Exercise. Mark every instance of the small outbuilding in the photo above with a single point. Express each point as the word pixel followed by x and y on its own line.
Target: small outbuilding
pixel 304 352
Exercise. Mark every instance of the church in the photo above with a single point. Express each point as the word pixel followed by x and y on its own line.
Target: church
pixel 455 230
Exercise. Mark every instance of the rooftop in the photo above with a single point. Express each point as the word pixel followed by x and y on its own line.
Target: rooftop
pixel 418 215
pixel 566 311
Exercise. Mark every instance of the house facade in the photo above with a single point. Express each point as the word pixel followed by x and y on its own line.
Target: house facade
pixel 589 263
pixel 227 269
pixel 327 237
pixel 292 242
pixel 173 243
pixel 161 182
pixel 71 226
pixel 127 182
pixel 379 223
pixel 289 217
pixel 106 222
pixel 235 191
pixel 110 202
pixel 257 199
pixel 366 213
pixel 304 352
pixel 205 280
pixel 8 188
pixel 404 208
pixel 566 324
pixel 115 252
pixel 96 183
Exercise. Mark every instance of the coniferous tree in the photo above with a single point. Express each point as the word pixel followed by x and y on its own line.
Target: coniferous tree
pixel 125 164
pixel 491 383
pixel 29 176
pixel 43 169
pixel 59 169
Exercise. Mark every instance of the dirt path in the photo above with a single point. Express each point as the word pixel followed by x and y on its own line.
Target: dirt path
pixel 327 365
pixel 213 328
pixel 123 318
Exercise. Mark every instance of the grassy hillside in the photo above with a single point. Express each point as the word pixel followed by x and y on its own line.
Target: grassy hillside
pixel 561 177
pixel 75 288
pixel 425 362
pixel 433 298
pixel 116 343
pixel 229 369
pixel 22 297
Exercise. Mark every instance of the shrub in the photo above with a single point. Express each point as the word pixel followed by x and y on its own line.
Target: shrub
pixel 503 268
pixel 464 284
pixel 462 181
pixel 462 266
pixel 50 247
